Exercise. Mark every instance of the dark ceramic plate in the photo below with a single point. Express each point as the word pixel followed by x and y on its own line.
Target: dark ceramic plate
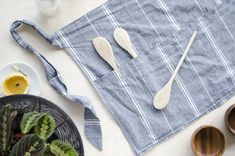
pixel 65 130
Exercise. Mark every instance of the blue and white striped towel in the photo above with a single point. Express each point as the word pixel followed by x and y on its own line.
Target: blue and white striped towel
pixel 160 30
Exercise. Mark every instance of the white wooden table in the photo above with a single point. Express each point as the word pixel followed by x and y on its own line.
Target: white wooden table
pixel 114 142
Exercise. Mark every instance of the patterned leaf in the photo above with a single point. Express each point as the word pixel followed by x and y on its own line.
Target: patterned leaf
pixel 29 145
pixel 5 128
pixel 45 126
pixel 60 148
pixel 48 151
pixel 29 121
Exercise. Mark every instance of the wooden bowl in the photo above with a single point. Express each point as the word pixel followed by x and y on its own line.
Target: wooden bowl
pixel 230 119
pixel 208 141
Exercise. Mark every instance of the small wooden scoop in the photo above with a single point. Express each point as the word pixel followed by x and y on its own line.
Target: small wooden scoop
pixel 104 49
pixel 208 141
pixel 123 39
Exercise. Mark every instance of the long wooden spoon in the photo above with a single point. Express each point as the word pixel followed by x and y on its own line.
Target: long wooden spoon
pixel 104 49
pixel 123 39
pixel 162 97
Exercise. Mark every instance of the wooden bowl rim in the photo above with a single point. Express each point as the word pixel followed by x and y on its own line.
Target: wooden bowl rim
pixel 228 112
pixel 204 127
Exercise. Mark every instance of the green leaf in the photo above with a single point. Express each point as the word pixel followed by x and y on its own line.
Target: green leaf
pixel 45 126
pixel 29 145
pixel 60 148
pixel 48 151
pixel 5 128
pixel 29 121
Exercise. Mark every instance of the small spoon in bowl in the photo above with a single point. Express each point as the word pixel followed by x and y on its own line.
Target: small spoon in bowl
pixel 162 97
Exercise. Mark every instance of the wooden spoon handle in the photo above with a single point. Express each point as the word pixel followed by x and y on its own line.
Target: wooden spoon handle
pixel 184 55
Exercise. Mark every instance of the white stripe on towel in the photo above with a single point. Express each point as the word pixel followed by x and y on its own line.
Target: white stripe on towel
pixel 107 15
pixel 169 15
pixel 217 48
pixel 141 75
pixel 194 68
pixel 148 19
pixel 199 6
pixel 111 16
pixel 136 104
pixel 218 2
pixel 92 25
pixel 225 25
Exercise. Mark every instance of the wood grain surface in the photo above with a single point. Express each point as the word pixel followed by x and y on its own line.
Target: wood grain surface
pixel 208 141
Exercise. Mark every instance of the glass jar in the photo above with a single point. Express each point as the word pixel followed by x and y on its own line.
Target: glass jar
pixel 48 7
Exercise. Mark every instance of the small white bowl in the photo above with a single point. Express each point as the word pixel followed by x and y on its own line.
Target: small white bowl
pixel 32 75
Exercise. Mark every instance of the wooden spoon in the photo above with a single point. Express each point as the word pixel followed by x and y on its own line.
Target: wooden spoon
pixel 123 39
pixel 104 49
pixel 162 97
pixel 230 119
pixel 208 141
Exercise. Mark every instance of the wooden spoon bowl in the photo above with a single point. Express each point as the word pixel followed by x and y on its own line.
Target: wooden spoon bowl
pixel 208 141
pixel 230 119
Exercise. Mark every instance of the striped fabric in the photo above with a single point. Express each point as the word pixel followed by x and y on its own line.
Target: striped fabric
pixel 160 31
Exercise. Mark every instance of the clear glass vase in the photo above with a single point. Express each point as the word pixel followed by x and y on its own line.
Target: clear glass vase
pixel 48 7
